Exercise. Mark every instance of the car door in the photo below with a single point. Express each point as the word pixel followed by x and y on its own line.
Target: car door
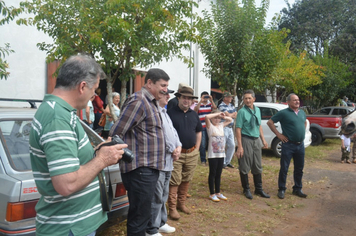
pixel 266 114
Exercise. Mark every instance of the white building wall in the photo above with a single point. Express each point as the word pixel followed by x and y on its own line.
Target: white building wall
pixel 27 65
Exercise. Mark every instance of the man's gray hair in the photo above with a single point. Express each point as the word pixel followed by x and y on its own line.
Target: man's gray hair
pixel 250 91
pixel 76 69
pixel 290 95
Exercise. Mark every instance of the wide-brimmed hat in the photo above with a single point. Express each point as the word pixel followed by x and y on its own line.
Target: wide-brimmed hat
pixel 181 85
pixel 227 94
pixel 186 91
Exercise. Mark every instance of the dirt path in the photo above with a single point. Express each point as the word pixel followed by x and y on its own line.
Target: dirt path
pixel 331 205
pixel 329 209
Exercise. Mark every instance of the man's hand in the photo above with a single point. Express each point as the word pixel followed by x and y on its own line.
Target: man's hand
pixel 239 152
pixel 283 138
pixel 265 144
pixel 176 153
pixel 110 155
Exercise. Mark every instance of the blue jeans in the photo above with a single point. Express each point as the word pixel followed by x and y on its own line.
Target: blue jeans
pixel 159 211
pixel 203 144
pixel 230 145
pixel 140 184
pixel 297 152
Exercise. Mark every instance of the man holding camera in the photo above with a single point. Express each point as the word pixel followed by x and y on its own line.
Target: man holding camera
pixel 140 126
pixel 62 160
pixel 203 108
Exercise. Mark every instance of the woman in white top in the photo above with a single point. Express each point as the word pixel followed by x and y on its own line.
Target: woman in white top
pixel 109 119
pixel 216 152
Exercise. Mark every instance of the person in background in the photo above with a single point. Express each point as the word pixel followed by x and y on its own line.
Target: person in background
pixel 98 105
pixel 228 108
pixel 216 152
pixel 109 119
pixel 189 128
pixel 174 101
pixel 353 138
pixel 64 166
pixel 203 108
pixel 249 135
pixel 88 113
pixel 345 149
pixel 344 101
pixel 293 123
pixel 158 223
pixel 140 126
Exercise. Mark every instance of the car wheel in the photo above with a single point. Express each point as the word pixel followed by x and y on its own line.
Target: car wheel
pixel 277 147
pixel 316 137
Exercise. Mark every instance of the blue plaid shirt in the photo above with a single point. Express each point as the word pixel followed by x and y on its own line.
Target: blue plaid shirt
pixel 229 108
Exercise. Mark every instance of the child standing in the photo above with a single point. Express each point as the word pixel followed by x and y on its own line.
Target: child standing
pixel 216 152
pixel 345 149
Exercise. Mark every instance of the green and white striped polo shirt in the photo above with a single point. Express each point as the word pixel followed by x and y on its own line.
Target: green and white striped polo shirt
pixel 59 145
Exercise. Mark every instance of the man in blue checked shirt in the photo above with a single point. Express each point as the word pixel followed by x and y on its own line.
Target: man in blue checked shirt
pixel 230 111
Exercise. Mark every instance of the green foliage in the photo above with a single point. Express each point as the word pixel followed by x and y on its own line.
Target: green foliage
pixel 228 35
pixel 321 27
pixel 337 78
pixel 120 34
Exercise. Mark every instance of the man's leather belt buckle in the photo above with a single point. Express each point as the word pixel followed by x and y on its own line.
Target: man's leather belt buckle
pixel 296 143
pixel 249 137
pixel 189 150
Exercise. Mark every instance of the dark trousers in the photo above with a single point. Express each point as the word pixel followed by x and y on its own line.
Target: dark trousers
pixel 203 145
pixel 140 185
pixel 297 152
pixel 215 169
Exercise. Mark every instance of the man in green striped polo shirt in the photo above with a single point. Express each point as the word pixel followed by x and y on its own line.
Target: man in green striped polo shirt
pixel 62 160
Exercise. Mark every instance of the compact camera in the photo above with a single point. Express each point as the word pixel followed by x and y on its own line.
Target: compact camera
pixel 206 96
pixel 128 155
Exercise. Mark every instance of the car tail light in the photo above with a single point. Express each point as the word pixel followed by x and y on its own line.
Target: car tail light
pixel 120 190
pixel 20 210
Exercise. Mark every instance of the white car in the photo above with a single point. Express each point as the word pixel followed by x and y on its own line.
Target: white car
pixel 267 111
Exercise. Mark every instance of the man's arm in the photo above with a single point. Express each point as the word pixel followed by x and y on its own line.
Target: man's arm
pixel 212 102
pixel 196 108
pixel 69 183
pixel 265 145
pixel 281 137
pixel 240 151
pixel 198 137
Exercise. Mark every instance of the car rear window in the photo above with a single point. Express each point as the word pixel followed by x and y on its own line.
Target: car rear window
pixel 15 138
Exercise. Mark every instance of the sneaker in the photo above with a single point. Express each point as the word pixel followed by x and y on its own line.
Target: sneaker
pixel 229 165
pixel 214 198
pixel 342 162
pixel 220 196
pixel 354 161
pixel 166 229
pixel 348 162
pixel 157 234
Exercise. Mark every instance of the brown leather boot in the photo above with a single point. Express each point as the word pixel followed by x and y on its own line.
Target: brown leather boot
pixel 182 196
pixel 172 202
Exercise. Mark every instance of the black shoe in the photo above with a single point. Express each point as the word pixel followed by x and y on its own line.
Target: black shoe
pixel 229 165
pixel 261 193
pixel 281 194
pixel 299 193
pixel 247 193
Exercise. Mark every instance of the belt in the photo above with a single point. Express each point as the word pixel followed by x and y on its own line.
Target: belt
pixel 296 143
pixel 189 150
pixel 249 137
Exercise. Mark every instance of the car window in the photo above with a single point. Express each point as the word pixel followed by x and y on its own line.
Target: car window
pixel 15 138
pixel 324 111
pixel 267 113
pixel 342 112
